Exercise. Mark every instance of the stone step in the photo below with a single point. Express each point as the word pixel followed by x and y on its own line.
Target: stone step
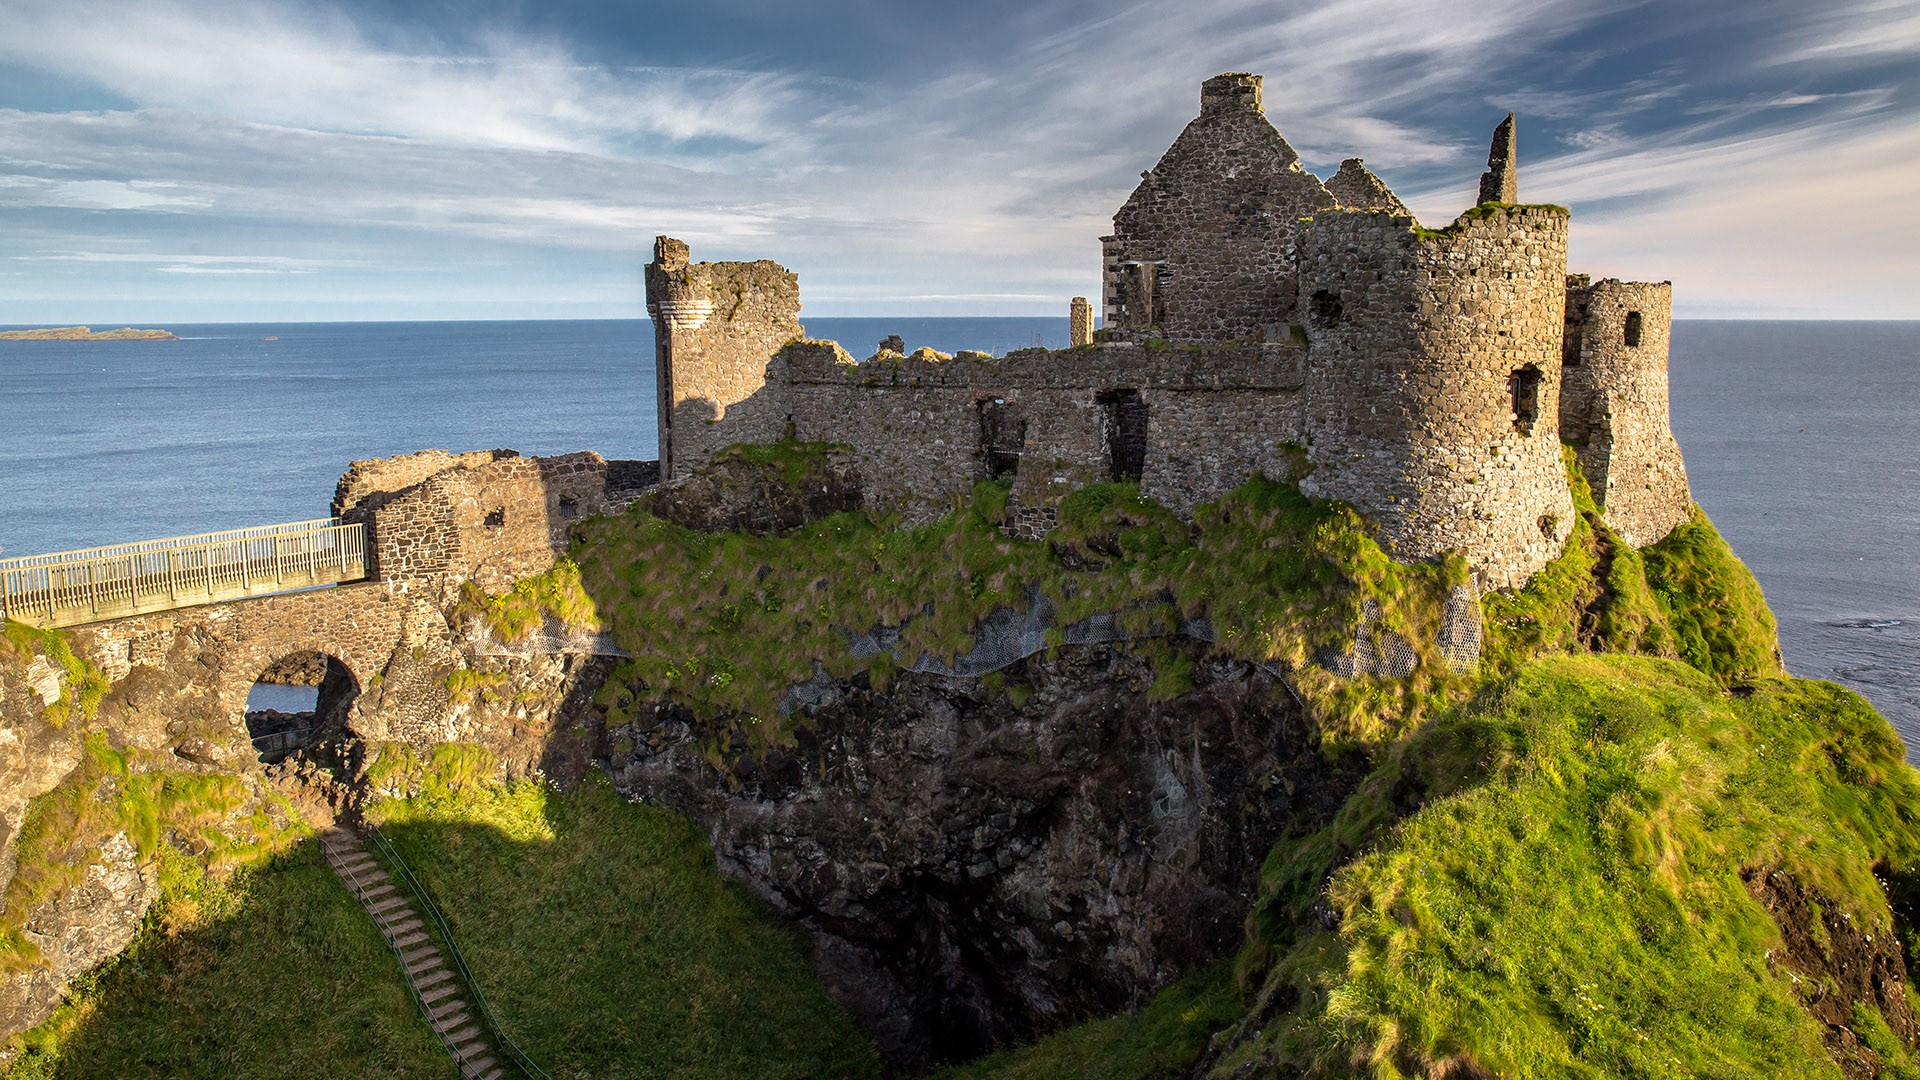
pixel 470 1049
pixel 371 890
pixel 357 863
pixel 466 1034
pixel 435 994
pixel 405 926
pixel 485 1067
pixel 430 975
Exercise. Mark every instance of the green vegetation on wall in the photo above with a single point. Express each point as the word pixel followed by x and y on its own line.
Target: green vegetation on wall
pixel 215 818
pixel 82 684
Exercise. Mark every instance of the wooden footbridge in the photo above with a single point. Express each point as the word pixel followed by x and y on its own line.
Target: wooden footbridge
pixel 68 588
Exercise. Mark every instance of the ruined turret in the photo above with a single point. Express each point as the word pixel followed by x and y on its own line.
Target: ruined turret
pixel 710 356
pixel 1501 182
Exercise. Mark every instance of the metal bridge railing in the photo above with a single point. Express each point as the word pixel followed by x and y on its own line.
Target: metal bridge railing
pixel 71 587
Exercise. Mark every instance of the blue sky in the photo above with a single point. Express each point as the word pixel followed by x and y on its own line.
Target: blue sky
pixel 173 162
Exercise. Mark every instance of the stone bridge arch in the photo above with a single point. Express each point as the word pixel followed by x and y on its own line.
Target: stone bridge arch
pixel 195 667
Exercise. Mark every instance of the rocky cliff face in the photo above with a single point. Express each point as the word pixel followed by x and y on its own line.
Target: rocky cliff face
pixel 978 863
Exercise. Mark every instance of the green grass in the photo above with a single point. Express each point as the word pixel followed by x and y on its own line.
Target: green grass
pixel 1164 1039
pixel 608 944
pixel 725 623
pixel 1567 900
pixel 273 972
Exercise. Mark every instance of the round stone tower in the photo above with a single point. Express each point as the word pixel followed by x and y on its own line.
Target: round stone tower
pixel 1614 408
pixel 1433 382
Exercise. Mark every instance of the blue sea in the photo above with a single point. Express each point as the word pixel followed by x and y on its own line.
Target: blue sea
pixel 1802 440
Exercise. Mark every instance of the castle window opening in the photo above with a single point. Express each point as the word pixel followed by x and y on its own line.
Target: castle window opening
pixel 496 518
pixel 1003 436
pixel 1525 387
pixel 1123 418
pixel 1632 333
pixel 296 701
pixel 569 507
pixel 1326 308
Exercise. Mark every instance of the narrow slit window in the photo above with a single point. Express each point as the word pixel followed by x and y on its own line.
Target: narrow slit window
pixel 1123 415
pixel 1632 333
pixel 1525 386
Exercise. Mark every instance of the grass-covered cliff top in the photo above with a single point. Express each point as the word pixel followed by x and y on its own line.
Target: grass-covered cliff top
pixel 1558 879
pixel 727 623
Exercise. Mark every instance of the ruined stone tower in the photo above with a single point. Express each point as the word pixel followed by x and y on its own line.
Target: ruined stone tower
pixel 1614 406
pixel 714 327
pixel 1433 379
pixel 1199 252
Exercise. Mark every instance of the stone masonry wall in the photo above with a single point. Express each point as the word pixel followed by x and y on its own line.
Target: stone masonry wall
pixel 1614 406
pixel 715 325
pixel 1201 248
pixel 1215 415
pixel 1433 382
pixel 492 518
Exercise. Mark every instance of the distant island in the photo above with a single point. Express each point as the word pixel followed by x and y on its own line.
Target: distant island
pixel 81 333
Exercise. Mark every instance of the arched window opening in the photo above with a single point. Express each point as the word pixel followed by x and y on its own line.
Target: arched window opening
pixel 297 701
pixel 1632 332
pixel 1524 384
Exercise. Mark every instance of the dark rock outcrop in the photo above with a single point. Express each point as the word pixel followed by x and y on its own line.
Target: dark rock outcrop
pixel 746 493
pixel 976 871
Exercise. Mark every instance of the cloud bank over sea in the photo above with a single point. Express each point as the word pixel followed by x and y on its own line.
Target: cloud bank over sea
pixel 306 160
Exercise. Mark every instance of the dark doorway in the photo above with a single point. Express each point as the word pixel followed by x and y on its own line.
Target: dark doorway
pixel 298 700
pixel 1003 436
pixel 1123 418
pixel 1525 386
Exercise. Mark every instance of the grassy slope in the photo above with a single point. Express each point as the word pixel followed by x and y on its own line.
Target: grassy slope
pixel 609 946
pixel 274 972
pixel 1568 901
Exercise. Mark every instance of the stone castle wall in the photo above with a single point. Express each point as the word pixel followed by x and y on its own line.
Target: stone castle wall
pixel 715 325
pixel 492 517
pixel 1614 405
pixel 1201 248
pixel 927 427
pixel 1432 391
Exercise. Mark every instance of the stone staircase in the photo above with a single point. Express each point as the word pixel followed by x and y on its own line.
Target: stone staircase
pixel 434 983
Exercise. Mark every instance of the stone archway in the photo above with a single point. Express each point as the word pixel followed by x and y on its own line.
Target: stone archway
pixel 278 729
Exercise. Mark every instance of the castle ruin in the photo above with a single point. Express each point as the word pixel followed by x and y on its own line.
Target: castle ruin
pixel 1252 313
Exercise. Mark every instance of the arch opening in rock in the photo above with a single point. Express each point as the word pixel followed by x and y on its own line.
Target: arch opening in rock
pixel 296 701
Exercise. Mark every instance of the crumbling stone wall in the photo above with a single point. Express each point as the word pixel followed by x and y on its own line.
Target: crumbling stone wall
pixel 1200 250
pixel 928 427
pixel 492 517
pixel 714 326
pixel 1614 405
pixel 1433 382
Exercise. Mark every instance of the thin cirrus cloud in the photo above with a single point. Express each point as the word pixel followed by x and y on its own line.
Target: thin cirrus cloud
pixel 443 166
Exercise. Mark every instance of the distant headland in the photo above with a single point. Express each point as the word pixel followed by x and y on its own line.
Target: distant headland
pixel 81 333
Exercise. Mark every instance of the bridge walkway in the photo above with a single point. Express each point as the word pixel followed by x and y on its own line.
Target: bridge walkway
pixel 68 588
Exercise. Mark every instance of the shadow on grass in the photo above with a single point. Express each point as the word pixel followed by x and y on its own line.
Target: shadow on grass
pixel 608 944
pixel 275 972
